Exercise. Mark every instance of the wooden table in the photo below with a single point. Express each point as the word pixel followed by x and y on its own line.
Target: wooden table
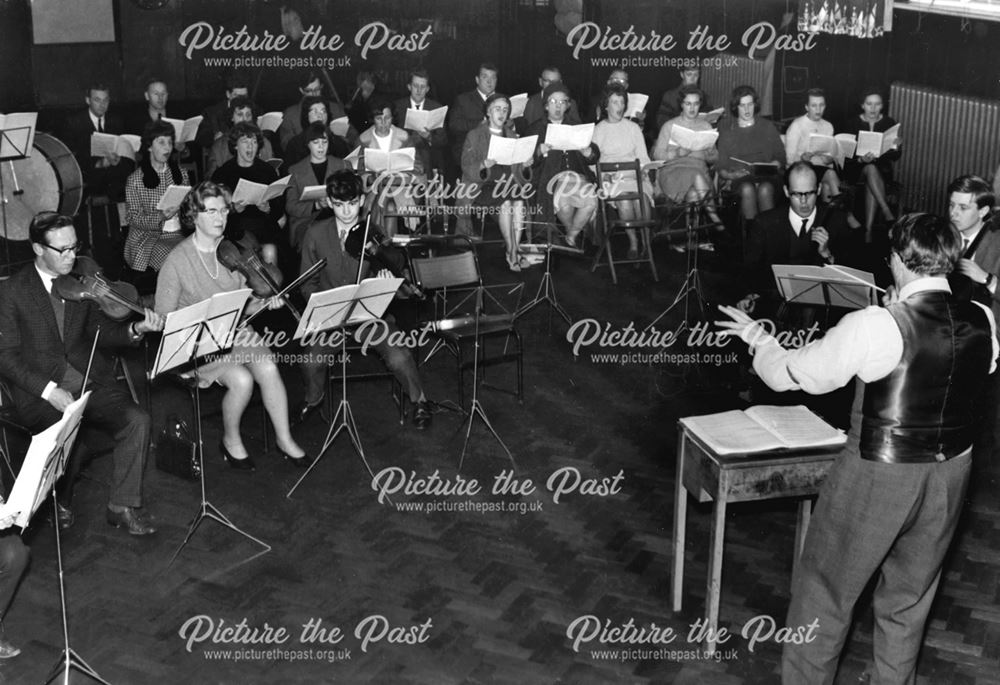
pixel 737 478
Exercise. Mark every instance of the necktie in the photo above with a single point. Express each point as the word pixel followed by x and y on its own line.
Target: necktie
pixel 805 227
pixel 100 125
pixel 965 246
pixel 59 308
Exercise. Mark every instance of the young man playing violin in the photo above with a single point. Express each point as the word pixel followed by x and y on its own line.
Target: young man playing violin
pixel 45 345
pixel 324 239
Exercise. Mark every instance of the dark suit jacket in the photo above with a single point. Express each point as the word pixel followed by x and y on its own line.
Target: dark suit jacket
pixel 987 255
pixel 772 241
pixel 464 115
pixel 106 180
pixel 31 351
pixel 426 149
pixel 301 214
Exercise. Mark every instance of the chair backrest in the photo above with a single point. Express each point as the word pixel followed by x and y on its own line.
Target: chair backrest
pixel 612 191
pixel 446 271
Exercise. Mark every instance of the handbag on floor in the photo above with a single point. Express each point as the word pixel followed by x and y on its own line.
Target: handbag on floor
pixel 176 452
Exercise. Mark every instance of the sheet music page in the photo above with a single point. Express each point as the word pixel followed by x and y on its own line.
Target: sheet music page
pixel 889 139
pixel 374 296
pixel 420 119
pixel 313 193
pixel 732 432
pixel 564 137
pixel 128 145
pixel 796 426
pixel 102 144
pixel 18 134
pixel 270 121
pixel 172 197
pixel 325 310
pixel 693 140
pixel 277 188
pixel 869 142
pixel 826 145
pixel 249 192
pixel 189 130
pixel 517 104
pixel 511 151
pixel 339 126
pixel 179 335
pixel 717 112
pixel 396 160
pixel 224 311
pixel 847 143
pixel 636 104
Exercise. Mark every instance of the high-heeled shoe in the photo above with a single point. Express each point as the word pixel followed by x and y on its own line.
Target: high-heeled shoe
pixel 245 464
pixel 298 462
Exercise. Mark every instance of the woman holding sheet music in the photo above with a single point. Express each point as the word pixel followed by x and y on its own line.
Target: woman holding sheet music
pixel 152 233
pixel 192 273
pixel 314 109
pixel 684 177
pixel 746 142
pixel 874 171
pixel 398 188
pixel 244 141
pixel 497 183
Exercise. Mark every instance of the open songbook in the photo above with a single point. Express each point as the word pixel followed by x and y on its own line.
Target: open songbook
pixel 758 168
pixel 313 193
pixel 693 140
pixel 840 146
pixel 106 144
pixel 714 114
pixel 402 159
pixel 763 428
pixel 877 143
pixel 340 126
pixel 252 193
pixel 517 104
pixel 509 151
pixel 429 119
pixel 270 121
pixel 172 197
pixel 564 137
pixel 184 129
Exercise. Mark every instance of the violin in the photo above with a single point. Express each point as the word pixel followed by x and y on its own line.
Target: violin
pixel 87 282
pixel 243 255
pixel 380 254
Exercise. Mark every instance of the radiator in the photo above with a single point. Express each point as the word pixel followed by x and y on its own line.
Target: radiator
pixel 944 135
pixel 738 70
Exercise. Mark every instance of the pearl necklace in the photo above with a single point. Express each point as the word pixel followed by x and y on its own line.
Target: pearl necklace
pixel 201 259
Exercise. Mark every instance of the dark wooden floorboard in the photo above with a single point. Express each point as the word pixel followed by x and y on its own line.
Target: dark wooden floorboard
pixel 500 588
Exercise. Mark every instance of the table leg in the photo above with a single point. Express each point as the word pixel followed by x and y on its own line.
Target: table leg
pixel 680 522
pixel 713 591
pixel 801 528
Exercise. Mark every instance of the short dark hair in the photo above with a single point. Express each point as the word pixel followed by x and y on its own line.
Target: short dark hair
pixel 151 80
pixel 610 90
pixel 307 102
pixel 97 86
pixel 873 90
pixel 419 73
pixel 46 221
pixel 798 168
pixel 684 91
pixel 926 243
pixel 493 98
pixel 488 66
pixel 376 106
pixel 815 93
pixel 314 130
pixel 977 186
pixel 244 129
pixel 240 102
pixel 194 202
pixel 740 92
pixel 344 185
pixel 237 79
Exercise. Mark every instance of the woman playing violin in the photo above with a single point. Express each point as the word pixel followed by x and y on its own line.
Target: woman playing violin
pixel 192 273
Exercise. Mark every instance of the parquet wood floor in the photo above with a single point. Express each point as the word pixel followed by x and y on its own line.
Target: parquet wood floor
pixel 497 590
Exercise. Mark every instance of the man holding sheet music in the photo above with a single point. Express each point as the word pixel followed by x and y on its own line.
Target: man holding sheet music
pixel 105 174
pixel 45 346
pixel 891 501
pixel 324 239
pixel 430 144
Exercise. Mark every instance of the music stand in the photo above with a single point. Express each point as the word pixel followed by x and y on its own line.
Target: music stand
pixel 188 334
pixel 476 407
pixel 546 289
pixel 44 463
pixel 17 136
pixel 334 311
pixel 825 286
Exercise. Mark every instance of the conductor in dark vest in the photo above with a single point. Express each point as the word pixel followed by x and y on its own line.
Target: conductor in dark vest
pixel 892 500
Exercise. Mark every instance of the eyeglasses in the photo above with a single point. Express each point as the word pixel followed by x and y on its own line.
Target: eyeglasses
pixel 801 196
pixel 74 248
pixel 215 212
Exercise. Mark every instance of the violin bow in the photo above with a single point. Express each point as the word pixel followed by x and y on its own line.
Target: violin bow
pixel 364 244
pixel 90 362
pixel 306 275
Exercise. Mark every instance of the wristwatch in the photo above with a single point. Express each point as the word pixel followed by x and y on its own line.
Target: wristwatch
pixel 136 335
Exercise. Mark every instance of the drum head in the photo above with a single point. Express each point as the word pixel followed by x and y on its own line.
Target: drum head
pixel 48 180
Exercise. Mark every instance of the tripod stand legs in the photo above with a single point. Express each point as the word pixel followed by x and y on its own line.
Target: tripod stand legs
pixel 546 293
pixel 477 410
pixel 209 510
pixel 343 420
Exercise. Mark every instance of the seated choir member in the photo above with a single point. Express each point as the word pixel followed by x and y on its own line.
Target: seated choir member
pixel 14 556
pixel 745 137
pixel 192 273
pixel 465 114
pixel 152 233
pixel 891 502
pixel 685 176
pixel 309 85
pixel 617 77
pixel 490 178
pixel 431 146
pixel 534 108
pixel 311 171
pixel 398 188
pixel 314 109
pixel 620 140
pixel 241 110
pixel 565 183
pixel 217 118
pixel 874 171
pixel 261 220
pixel 671 104
pixel 45 346
pixel 104 175
pixel 324 239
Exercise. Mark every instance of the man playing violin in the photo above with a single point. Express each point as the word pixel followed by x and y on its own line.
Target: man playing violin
pixel 325 239
pixel 45 345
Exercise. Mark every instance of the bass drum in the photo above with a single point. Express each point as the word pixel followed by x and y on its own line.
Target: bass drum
pixel 48 180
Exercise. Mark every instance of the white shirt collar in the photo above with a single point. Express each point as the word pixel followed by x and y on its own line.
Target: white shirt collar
pixel 94 119
pixel 923 284
pixel 796 221
pixel 971 236
pixel 418 105
pixel 46 279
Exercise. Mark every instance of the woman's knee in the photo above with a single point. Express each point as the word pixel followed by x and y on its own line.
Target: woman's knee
pixel 238 379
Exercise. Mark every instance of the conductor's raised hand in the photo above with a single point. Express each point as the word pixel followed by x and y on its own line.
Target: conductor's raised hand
pixel 739 324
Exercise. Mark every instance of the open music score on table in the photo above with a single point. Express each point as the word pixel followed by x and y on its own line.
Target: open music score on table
pixel 763 428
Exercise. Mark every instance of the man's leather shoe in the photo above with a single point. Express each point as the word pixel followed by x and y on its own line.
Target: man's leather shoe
pixel 305 410
pixel 131 519
pixel 422 415
pixel 64 515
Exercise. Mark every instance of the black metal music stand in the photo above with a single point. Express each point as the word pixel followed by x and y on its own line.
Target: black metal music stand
pixel 334 311
pixel 546 289
pixel 15 143
pixel 186 344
